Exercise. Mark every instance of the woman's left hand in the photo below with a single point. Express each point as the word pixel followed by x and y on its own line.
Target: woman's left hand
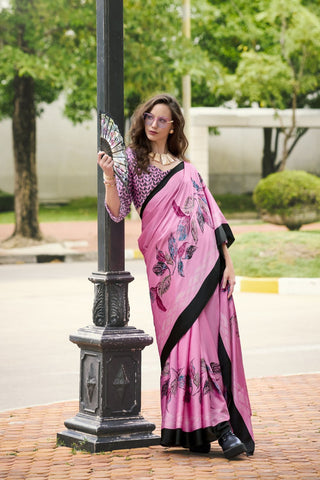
pixel 229 279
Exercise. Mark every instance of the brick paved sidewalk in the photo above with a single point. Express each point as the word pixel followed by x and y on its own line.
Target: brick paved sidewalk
pixel 286 418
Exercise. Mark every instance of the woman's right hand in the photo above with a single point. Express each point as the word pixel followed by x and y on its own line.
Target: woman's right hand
pixel 106 163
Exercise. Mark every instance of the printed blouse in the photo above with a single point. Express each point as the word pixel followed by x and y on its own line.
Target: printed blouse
pixel 139 186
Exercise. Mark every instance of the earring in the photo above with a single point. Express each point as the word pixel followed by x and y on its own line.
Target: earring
pixel 171 131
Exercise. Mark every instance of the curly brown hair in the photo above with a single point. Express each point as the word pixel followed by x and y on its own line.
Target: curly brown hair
pixel 177 142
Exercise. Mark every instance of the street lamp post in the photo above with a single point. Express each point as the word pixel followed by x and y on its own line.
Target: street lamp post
pixel 109 415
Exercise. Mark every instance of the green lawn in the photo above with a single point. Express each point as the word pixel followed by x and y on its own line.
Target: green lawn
pixel 239 206
pixel 76 210
pixel 281 254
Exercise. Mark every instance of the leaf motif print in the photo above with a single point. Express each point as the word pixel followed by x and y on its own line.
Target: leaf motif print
pixel 215 367
pixel 196 382
pixel 180 268
pixel 196 379
pixel 192 370
pixel 200 219
pixel 160 304
pixel 169 259
pixel 194 231
pixel 188 205
pixel 190 251
pixel 163 286
pixel 174 386
pixel 153 293
pixel 190 219
pixel 184 228
pixel 166 369
pixel 203 365
pixel 206 215
pixel 206 387
pixel 182 249
pixel 196 186
pixel 161 256
pixel 177 209
pixel 165 388
pixel 172 245
pixel 159 268
pixel 182 381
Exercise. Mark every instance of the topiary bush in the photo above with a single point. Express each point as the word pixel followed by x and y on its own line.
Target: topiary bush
pixel 290 198
pixel 6 202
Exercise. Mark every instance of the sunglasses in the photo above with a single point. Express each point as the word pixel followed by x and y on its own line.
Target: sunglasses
pixel 161 121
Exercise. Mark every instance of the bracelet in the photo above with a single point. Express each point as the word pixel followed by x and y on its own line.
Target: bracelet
pixel 110 184
pixel 105 177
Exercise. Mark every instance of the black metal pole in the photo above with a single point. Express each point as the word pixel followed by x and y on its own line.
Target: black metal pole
pixel 111 305
pixel 110 100
pixel 110 360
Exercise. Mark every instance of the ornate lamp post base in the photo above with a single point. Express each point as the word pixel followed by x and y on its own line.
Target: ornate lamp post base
pixel 110 391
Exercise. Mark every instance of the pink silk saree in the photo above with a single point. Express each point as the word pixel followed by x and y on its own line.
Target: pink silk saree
pixel 203 386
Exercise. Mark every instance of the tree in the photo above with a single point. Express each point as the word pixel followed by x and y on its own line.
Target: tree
pixel 270 54
pixel 37 38
pixel 50 47
pixel 156 53
pixel 285 73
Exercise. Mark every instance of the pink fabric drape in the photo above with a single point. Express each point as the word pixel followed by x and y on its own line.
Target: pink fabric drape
pixel 202 381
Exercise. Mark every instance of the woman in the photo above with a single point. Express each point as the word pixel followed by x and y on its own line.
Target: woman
pixel 185 240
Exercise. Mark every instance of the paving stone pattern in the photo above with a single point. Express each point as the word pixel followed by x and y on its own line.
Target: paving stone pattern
pixel 286 418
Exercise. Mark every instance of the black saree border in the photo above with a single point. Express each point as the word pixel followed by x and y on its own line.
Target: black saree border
pixel 224 234
pixel 237 423
pixel 160 185
pixel 178 438
pixel 190 314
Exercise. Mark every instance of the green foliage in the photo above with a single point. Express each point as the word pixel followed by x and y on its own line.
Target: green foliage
pixel 156 54
pixel 292 44
pixel 288 194
pixel 53 43
pixel 257 75
pixel 268 51
pixel 232 203
pixel 6 202
pixel 254 51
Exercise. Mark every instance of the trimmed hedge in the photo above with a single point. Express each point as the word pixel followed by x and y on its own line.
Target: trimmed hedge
pixel 6 202
pixel 290 198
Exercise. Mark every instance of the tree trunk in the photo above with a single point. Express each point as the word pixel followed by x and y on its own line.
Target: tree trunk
pixel 24 146
pixel 269 154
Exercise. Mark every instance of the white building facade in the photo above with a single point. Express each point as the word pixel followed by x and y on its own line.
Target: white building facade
pixel 230 162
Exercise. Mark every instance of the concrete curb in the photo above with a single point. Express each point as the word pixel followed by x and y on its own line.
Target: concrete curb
pixel 282 286
pixel 58 252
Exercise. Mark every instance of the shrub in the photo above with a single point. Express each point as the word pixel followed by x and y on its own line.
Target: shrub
pixel 6 202
pixel 290 198
pixel 230 202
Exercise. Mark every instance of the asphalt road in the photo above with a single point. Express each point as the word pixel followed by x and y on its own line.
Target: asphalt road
pixel 41 304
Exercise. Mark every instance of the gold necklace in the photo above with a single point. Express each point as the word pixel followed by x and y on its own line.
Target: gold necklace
pixel 163 158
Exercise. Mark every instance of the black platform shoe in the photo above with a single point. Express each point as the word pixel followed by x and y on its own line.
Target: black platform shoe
pixel 231 445
pixel 201 448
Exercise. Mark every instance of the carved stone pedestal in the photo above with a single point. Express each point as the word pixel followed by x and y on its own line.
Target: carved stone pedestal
pixel 110 391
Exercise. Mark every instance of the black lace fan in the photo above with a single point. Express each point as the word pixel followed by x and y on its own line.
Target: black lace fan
pixel 111 142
